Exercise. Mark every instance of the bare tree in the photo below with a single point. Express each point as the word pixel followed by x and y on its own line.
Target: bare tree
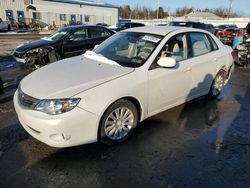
pixel 223 12
pixel 139 12
pixel 183 11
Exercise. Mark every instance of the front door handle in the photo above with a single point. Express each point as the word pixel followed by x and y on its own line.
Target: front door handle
pixel 187 69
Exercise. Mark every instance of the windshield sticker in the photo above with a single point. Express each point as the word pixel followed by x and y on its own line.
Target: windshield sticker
pixel 151 39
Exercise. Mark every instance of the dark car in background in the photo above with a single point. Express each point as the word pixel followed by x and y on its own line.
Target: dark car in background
pixel 126 25
pixel 211 28
pixel 66 42
pixel 102 24
pixel 197 25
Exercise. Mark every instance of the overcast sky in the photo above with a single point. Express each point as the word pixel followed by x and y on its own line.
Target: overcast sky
pixel 238 5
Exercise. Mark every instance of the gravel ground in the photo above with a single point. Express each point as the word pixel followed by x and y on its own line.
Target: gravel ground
pixel 202 143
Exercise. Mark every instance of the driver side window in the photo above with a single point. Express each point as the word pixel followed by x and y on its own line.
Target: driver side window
pixel 176 48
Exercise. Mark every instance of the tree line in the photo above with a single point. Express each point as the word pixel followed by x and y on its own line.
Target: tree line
pixel 144 12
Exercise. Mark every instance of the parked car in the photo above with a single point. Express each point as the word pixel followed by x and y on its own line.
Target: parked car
pixel 197 25
pixel 4 26
pixel 126 25
pixel 224 26
pixel 242 52
pixel 248 28
pixel 136 73
pixel 211 28
pixel 102 24
pixel 226 36
pixel 66 42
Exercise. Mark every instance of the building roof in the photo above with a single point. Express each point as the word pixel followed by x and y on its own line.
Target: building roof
pixel 85 2
pixel 203 15
pixel 160 30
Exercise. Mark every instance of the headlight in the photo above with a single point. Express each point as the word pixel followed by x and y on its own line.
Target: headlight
pixel 56 106
pixel 37 50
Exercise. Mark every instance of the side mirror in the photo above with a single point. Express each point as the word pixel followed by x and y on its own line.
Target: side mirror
pixel 96 46
pixel 166 62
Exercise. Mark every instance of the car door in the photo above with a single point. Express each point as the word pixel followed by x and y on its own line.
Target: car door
pixel 205 56
pixel 97 35
pixel 76 43
pixel 168 87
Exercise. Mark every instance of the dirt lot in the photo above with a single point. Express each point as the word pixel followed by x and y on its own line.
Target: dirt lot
pixel 203 143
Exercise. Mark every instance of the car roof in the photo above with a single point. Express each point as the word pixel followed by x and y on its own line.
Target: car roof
pixel 161 30
pixel 186 22
pixel 73 27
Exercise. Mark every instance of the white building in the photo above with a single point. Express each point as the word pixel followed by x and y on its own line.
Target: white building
pixel 199 16
pixel 58 12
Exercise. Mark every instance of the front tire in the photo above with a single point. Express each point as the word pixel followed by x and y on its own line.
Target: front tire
pixel 217 85
pixel 118 122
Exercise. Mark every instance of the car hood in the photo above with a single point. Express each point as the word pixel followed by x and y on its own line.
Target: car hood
pixel 33 45
pixel 69 77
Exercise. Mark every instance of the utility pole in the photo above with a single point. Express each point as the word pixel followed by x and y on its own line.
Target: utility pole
pixel 157 9
pixel 230 8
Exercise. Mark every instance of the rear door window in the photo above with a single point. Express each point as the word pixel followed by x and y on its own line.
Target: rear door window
pixel 200 44
pixel 95 32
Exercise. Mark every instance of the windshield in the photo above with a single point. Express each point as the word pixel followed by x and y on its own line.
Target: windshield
pixel 128 48
pixel 57 35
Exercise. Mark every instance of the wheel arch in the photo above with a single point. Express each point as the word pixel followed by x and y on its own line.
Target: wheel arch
pixel 224 69
pixel 131 99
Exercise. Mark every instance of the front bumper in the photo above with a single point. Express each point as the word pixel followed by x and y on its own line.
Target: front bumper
pixel 68 129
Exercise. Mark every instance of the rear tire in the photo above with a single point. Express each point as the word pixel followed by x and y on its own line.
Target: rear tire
pixel 217 85
pixel 118 122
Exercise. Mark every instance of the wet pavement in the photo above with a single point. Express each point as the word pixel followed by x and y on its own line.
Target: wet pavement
pixel 203 143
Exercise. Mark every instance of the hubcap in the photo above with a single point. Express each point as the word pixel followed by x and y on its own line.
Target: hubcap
pixel 119 123
pixel 218 85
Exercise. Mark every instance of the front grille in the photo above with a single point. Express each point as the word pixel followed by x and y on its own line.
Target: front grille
pixel 26 100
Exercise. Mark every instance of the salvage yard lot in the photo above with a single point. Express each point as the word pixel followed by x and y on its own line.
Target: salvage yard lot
pixel 203 143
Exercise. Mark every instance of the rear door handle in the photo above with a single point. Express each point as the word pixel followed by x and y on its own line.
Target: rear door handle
pixel 187 69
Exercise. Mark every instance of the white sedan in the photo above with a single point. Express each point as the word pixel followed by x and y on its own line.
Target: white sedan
pixel 103 94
